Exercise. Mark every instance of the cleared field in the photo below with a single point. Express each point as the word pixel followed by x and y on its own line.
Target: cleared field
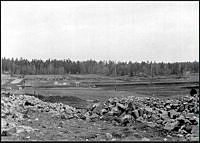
pixel 82 96
pixel 62 88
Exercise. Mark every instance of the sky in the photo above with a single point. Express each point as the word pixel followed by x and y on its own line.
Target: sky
pixel 100 30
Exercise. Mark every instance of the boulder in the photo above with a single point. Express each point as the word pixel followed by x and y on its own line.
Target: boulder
pixel 131 106
pixel 154 117
pixel 27 103
pixel 151 124
pixel 188 128
pixel 117 120
pixel 181 120
pixel 194 120
pixel 140 111
pixel 97 107
pixel 171 126
pixel 115 111
pixel 135 114
pixel 140 119
pixel 126 119
pixel 173 114
pixel 121 107
pixel 107 117
pixel 159 121
pixel 8 132
pixel 189 115
pixel 144 116
pixel 164 115
pixel 81 116
pixel 181 108
pixel 87 115
pixel 103 111
pixel 174 106
pixel 168 107
pixel 183 132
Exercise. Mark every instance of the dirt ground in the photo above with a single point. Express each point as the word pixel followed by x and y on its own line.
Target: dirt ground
pixel 49 128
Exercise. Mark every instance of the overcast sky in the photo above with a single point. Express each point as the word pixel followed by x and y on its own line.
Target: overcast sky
pixel 122 31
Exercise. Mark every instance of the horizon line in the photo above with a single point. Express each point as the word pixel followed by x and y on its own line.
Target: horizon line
pixel 91 59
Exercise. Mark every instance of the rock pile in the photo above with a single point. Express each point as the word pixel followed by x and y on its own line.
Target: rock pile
pixel 14 109
pixel 179 116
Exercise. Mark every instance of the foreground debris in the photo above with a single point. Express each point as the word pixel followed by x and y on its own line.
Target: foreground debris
pixel 15 109
pixel 177 118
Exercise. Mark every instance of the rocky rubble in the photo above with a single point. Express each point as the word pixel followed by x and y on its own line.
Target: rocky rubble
pixel 14 109
pixel 179 117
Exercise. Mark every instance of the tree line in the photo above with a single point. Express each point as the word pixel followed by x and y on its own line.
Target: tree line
pixel 66 66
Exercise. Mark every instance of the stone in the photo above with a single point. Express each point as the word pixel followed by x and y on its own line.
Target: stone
pixel 144 116
pixel 140 119
pixel 97 108
pixel 164 115
pixel 180 135
pixel 116 121
pixel 181 117
pixel 174 106
pixel 188 128
pixel 171 126
pixel 173 114
pixel 194 120
pixel 159 121
pixel 126 119
pixel 121 106
pixel 111 100
pixel 181 108
pixel 80 116
pixel 135 114
pixel 27 103
pixel 168 107
pixel 151 124
pixel 131 106
pixel 140 111
pixel 154 117
pixel 148 110
pixel 8 132
pixel 115 111
pixel 182 131
pixel 93 117
pixel 103 111
pixel 63 117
